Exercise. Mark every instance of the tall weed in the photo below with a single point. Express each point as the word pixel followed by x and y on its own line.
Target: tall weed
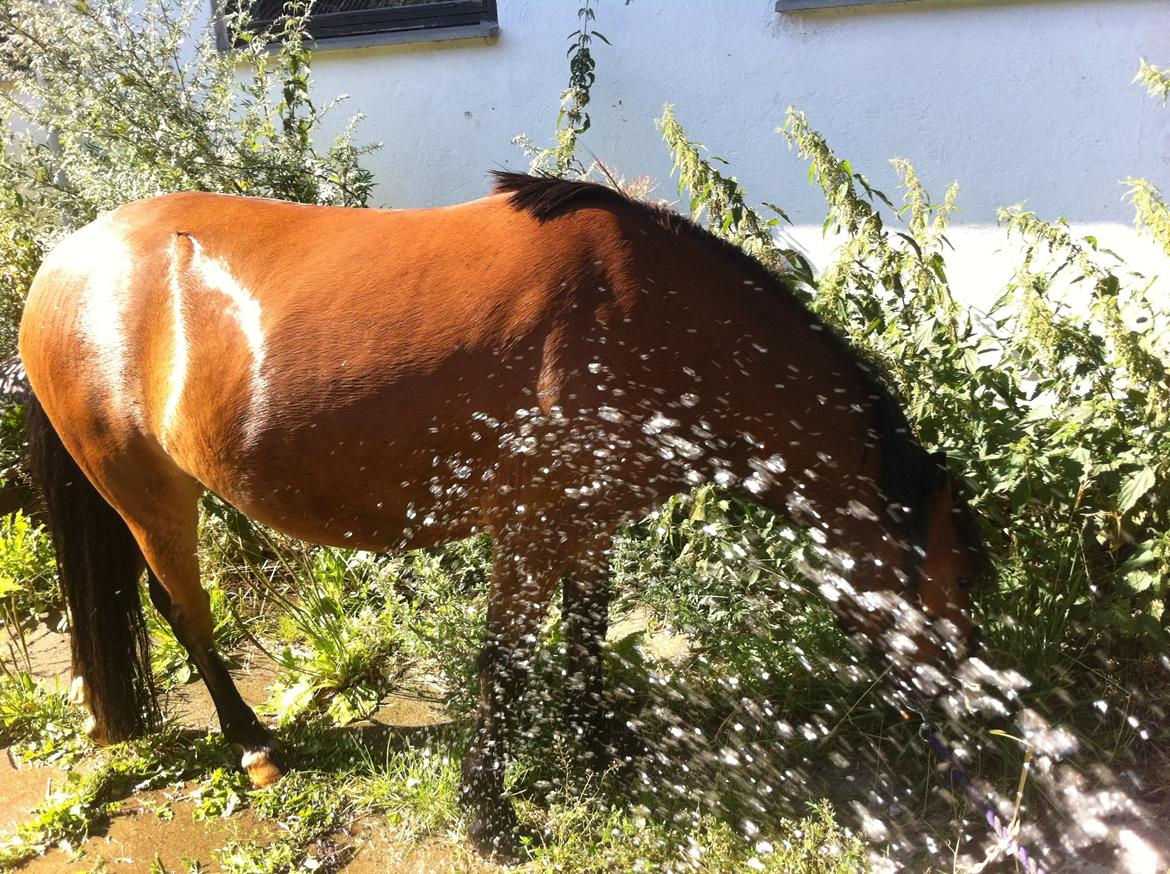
pixel 108 101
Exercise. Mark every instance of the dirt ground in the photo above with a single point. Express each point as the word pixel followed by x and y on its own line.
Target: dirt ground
pixel 138 835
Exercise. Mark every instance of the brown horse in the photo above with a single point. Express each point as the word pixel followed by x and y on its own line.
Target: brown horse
pixel 542 364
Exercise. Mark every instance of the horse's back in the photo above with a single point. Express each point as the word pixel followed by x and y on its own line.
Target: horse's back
pixel 260 344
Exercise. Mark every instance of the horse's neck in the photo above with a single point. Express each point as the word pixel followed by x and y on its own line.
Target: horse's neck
pixel 786 413
pixel 794 418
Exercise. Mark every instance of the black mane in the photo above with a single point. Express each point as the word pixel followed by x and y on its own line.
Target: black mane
pixel 910 475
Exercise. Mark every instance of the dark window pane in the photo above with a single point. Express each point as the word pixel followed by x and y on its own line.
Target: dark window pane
pixel 394 14
pixel 269 9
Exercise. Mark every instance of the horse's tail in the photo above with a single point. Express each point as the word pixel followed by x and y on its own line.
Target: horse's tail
pixel 98 563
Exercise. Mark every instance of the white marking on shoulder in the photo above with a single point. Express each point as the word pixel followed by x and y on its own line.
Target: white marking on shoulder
pixel 245 310
pixel 182 351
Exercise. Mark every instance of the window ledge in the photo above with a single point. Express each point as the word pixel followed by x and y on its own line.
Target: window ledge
pixel 801 5
pixel 484 30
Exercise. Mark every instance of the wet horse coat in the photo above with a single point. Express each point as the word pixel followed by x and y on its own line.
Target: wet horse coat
pixel 543 364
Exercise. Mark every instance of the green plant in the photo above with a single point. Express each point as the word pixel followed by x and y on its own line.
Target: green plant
pixel 28 580
pixel 586 835
pixel 308 807
pixel 28 574
pixel 221 794
pixel 335 632
pixel 1155 79
pixel 416 789
pixel 1153 216
pixel 561 159
pixel 1057 421
pixel 726 574
pixel 108 101
pixel 88 797
pixel 1053 407
pixel 38 723
pixel 133 110
pixel 725 204
pixel 22 252
pixel 446 589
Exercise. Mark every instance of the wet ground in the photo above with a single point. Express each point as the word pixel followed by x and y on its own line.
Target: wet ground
pixel 160 827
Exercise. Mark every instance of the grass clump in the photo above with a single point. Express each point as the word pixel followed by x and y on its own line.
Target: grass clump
pixel 39 724
pixel 587 837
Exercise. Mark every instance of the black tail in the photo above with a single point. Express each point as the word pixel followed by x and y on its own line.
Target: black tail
pixel 98 563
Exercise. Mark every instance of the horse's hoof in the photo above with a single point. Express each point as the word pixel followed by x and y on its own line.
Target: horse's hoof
pixel 496 834
pixel 92 731
pixel 263 766
pixel 98 735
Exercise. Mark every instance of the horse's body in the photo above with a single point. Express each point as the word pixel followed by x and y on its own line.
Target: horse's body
pixel 542 364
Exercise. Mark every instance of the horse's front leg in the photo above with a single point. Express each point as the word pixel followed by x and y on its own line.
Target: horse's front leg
pixel 522 582
pixel 585 617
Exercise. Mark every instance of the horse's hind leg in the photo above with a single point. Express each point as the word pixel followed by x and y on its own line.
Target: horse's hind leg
pixel 167 533
pixel 261 756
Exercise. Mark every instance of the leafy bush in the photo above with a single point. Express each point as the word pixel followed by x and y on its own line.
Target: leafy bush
pixel 28 573
pixel 725 574
pixel 21 252
pixel 107 101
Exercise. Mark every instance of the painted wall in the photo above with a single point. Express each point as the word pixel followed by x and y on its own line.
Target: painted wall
pixel 1018 100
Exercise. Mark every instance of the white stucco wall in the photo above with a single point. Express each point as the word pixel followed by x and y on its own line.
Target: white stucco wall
pixel 1018 100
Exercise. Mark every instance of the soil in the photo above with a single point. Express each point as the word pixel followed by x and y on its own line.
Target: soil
pixel 137 835
pixel 23 788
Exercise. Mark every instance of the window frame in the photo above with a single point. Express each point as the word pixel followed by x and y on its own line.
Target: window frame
pixel 811 5
pixel 423 22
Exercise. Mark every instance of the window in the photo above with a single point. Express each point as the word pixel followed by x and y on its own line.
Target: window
pixel 797 5
pixel 353 23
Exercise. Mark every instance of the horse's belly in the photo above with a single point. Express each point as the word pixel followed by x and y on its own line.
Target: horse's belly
pixel 349 496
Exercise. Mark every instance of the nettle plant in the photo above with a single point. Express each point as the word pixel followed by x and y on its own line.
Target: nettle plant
pixel 109 101
pixel 563 159
pixel 1054 403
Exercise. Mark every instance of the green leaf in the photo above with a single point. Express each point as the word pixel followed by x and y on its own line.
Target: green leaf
pixel 1136 484
pixel 1139 581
